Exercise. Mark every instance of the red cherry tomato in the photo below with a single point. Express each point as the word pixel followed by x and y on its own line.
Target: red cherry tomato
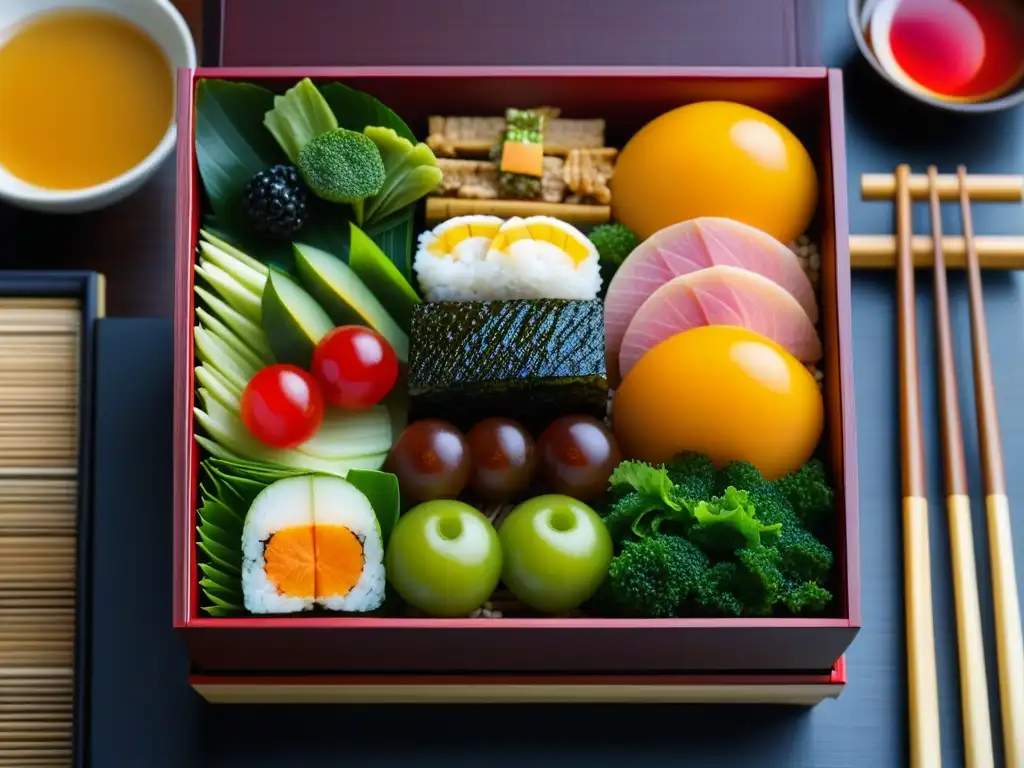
pixel 282 406
pixel 356 367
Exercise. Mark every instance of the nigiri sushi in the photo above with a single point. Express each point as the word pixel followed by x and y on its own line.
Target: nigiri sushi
pixel 311 541
pixel 468 258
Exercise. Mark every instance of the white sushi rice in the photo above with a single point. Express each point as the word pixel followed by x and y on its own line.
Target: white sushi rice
pixel 309 501
pixel 284 504
pixel 531 269
pixel 336 502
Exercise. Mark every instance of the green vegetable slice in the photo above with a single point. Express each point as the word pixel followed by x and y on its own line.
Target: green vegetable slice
pixel 215 449
pixel 411 173
pixel 356 110
pixel 394 236
pixel 214 552
pixel 292 320
pixel 213 534
pixel 241 273
pixel 211 351
pixel 237 296
pixel 345 297
pixel 213 379
pixel 381 488
pixel 226 580
pixel 225 334
pixel 344 434
pixel 221 591
pixel 382 277
pixel 222 242
pixel 245 329
pixel 219 612
pixel 299 116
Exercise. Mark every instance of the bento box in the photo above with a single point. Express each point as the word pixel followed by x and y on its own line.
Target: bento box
pixel 513 370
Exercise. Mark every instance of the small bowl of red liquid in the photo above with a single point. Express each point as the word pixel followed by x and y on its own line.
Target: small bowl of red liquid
pixel 957 55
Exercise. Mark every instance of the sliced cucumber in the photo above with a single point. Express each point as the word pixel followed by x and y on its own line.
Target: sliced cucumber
pixel 347 300
pixel 246 330
pixel 292 320
pixel 213 352
pixel 241 272
pixel 238 296
pixel 229 337
pixel 215 385
pixel 345 434
pixel 227 247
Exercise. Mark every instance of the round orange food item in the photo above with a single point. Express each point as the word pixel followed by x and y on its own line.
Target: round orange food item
pixel 724 391
pixel 339 560
pixel 715 158
pixel 291 561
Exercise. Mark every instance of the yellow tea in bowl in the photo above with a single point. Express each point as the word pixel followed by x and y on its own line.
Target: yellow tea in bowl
pixel 86 96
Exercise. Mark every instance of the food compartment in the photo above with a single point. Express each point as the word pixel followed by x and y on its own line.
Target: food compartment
pixel 469 382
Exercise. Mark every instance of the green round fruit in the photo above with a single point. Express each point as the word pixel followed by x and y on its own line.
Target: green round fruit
pixel 444 558
pixel 556 551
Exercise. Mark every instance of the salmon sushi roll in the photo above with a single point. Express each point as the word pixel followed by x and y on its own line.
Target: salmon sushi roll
pixel 311 541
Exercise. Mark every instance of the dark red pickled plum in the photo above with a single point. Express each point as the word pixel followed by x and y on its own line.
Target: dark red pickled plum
pixel 356 367
pixel 282 406
pixel 577 455
pixel 503 457
pixel 430 460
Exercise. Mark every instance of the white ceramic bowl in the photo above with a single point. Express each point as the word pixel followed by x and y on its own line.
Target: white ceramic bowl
pixel 158 18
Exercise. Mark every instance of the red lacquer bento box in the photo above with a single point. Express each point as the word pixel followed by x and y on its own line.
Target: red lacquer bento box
pixel 810 102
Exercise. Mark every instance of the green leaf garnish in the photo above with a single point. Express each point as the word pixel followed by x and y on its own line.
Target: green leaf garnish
pixel 355 110
pixel 411 172
pixel 299 116
pixel 647 480
pixel 729 522
pixel 382 277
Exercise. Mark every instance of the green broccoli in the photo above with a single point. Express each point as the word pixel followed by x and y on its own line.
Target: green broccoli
pixel 624 514
pixel 715 598
pixel 614 242
pixel 729 522
pixel 651 577
pixel 806 597
pixel 808 492
pixel 693 475
pixel 342 166
pixel 804 557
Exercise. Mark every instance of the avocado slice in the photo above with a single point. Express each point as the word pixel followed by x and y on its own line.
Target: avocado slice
pixel 292 320
pixel 345 297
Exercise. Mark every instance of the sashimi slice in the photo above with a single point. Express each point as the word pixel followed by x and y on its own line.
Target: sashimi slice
pixel 695 244
pixel 720 296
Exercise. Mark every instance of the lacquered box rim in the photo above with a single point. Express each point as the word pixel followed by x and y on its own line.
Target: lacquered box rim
pixel 186 614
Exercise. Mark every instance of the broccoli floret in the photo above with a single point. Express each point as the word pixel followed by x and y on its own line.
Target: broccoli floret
pixel 804 557
pixel 624 513
pixel 808 492
pixel 614 242
pixel 342 166
pixel 693 475
pixel 758 583
pixel 652 577
pixel 806 597
pixel 715 597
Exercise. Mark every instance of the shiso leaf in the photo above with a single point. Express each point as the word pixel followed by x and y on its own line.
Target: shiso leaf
pixel 219 612
pixel 227 518
pixel 356 110
pixel 394 237
pixel 217 576
pixel 299 116
pixel 411 172
pixel 220 602
pixel 382 277
pixel 211 533
pixel 381 488
pixel 214 554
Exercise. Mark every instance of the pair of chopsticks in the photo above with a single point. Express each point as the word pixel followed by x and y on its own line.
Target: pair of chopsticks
pixel 925 750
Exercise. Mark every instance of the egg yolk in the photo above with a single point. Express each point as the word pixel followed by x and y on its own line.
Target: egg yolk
pixel 715 158
pixel 724 391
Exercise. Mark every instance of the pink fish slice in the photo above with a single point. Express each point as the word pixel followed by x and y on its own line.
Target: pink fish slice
pixel 696 244
pixel 720 296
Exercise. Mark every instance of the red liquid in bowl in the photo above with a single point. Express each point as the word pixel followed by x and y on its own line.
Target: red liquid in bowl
pixel 961 49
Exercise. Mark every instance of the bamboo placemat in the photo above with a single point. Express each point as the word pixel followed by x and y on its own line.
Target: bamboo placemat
pixel 39 369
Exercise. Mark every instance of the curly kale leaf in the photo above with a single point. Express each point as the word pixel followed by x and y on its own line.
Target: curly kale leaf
pixel 729 522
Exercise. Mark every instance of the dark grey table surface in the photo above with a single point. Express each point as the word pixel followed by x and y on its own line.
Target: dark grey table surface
pixel 144 714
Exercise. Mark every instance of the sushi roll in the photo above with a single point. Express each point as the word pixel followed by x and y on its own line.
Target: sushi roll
pixel 541 257
pixel 311 541
pixel 450 261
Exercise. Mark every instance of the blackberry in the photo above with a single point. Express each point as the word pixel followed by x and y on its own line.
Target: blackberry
pixel 275 200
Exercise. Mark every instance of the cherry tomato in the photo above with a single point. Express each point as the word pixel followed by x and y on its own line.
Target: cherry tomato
pixel 356 367
pixel 282 406
pixel 503 457
pixel 577 456
pixel 430 460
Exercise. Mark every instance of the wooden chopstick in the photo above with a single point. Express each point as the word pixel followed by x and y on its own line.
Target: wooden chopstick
pixel 925 748
pixel 977 724
pixel 1009 640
